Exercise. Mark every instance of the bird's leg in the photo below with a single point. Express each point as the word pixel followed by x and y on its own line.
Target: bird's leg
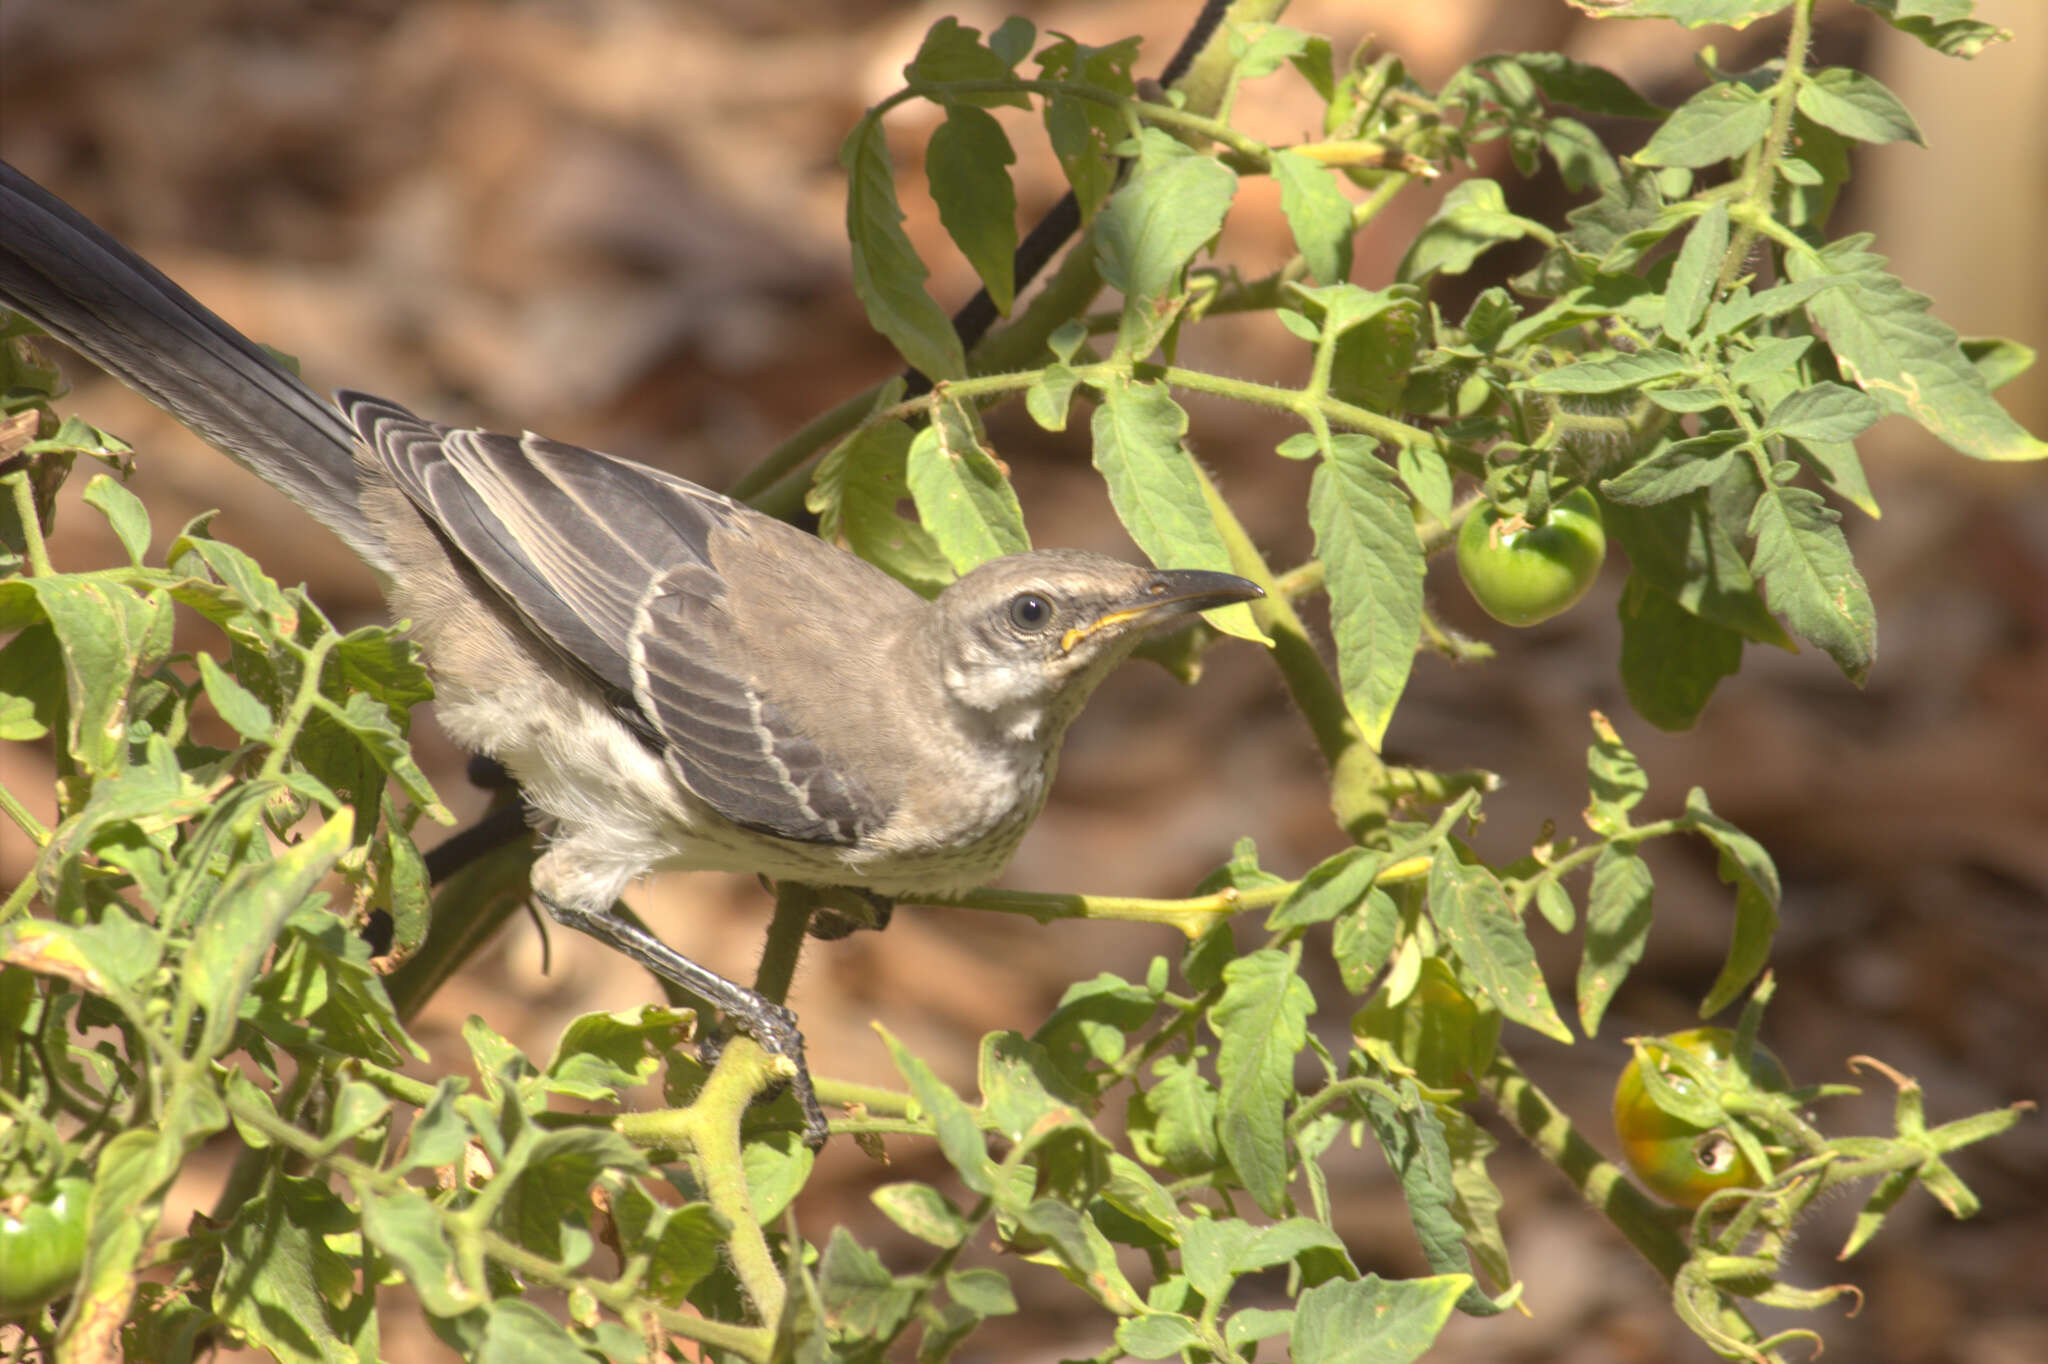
pixel 847 909
pixel 768 1023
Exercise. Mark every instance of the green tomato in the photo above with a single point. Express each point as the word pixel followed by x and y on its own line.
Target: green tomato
pixel 1679 1162
pixel 42 1244
pixel 1528 574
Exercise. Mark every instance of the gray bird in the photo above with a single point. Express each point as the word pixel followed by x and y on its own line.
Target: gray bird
pixel 676 680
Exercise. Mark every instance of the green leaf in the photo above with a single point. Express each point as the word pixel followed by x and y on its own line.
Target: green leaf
pixel 1614 779
pixel 1477 919
pixel 1998 359
pixel 887 274
pixel 1617 927
pixel 1940 24
pixel 1261 1022
pixel 1681 467
pixel 1334 886
pixel 1824 412
pixel 1428 477
pixel 1691 13
pixel 964 500
pixel 966 164
pixel 1412 1138
pixel 1685 549
pixel 1372 1320
pixel 1671 659
pixel 922 1211
pixel 854 493
pixel 959 1139
pixel 1804 562
pixel 105 634
pixel 124 512
pixel 1472 219
pixel 1856 105
pixel 1772 356
pixel 1083 131
pixel 1746 866
pixel 408 1230
pixel 517 1332
pixel 1616 374
pixel 861 1296
pixel 1168 208
pixel 1593 89
pixel 1718 124
pixel 230 943
pixel 1691 285
pixel 953 52
pixel 283 1287
pixel 1156 1335
pixel 1209 1251
pixel 1156 489
pixel 1374 569
pixel 1911 362
pixel 1317 213
pixel 1174 1122
pixel 236 704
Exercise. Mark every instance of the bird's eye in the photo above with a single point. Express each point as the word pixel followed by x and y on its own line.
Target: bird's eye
pixel 1030 611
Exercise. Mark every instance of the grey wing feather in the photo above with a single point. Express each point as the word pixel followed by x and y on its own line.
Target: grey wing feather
pixel 732 746
pixel 613 563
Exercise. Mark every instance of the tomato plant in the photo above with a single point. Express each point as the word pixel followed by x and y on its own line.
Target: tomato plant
pixel 1522 574
pixel 1682 1161
pixel 42 1244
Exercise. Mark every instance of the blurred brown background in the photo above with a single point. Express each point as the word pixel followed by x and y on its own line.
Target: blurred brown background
pixel 619 222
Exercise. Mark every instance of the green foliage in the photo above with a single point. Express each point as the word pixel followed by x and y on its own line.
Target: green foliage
pixel 1690 347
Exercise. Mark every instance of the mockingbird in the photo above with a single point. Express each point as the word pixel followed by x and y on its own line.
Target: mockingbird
pixel 675 680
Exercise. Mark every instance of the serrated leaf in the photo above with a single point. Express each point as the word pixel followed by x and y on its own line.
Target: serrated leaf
pixel 855 492
pixel 285 1289
pixel 1593 89
pixel 952 52
pixel 1167 209
pixel 1334 886
pixel 964 500
pixel 1428 478
pixel 1691 13
pixel 1317 214
pixel 1671 659
pixel 1888 344
pixel 967 165
pixel 1614 374
pixel 1617 928
pixel 1748 867
pixel 124 512
pixel 887 274
pixel 1472 219
pixel 1372 1320
pixel 1684 549
pixel 1469 905
pixel 959 1139
pixel 922 1211
pixel 1374 569
pixel 1718 124
pixel 1856 105
pixel 235 703
pixel 408 1230
pixel 1412 1138
pixel 1261 1022
pixel 1824 412
pixel 1156 1335
pixel 1772 356
pixel 1811 579
pixel 1679 468
pixel 1155 488
pixel 1691 284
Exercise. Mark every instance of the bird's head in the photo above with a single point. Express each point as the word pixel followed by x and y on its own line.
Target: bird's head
pixel 1025 638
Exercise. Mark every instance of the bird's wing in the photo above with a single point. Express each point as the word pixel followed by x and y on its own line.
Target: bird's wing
pixel 617 566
